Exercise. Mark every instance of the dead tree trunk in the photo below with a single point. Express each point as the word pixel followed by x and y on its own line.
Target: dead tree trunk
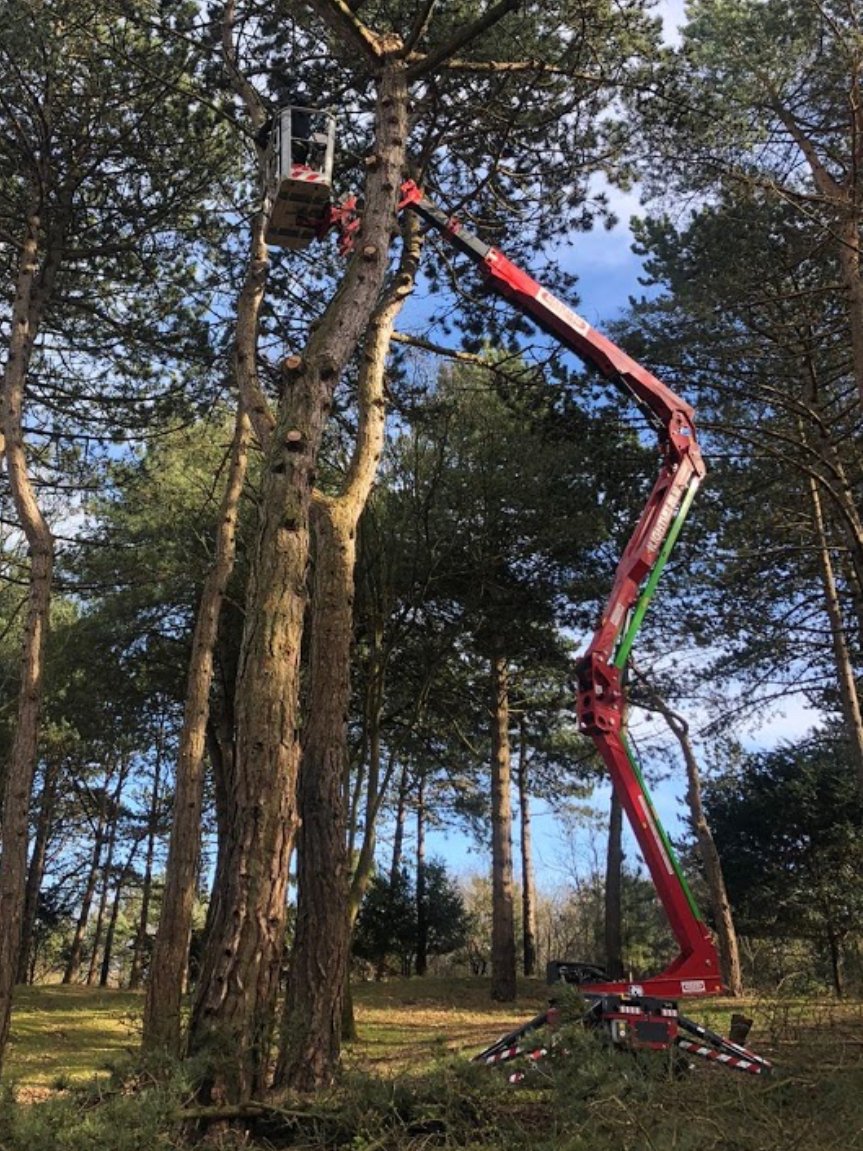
pixel 110 933
pixel 113 831
pixel 422 918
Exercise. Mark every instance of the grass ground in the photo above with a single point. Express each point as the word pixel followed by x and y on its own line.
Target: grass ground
pixel 411 1087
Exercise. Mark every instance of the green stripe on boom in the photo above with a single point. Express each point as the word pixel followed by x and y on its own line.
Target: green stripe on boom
pixel 626 642
pixel 660 830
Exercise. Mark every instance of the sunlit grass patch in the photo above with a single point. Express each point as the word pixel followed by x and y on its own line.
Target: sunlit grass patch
pixel 65 1035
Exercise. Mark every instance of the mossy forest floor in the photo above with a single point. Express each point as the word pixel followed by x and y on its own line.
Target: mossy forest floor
pixel 409 1083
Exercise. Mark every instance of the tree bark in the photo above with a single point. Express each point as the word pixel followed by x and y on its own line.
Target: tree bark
pixel 614 890
pixel 311 1023
pixel 503 964
pixel 234 1008
pixel 31 290
pixel 162 1028
pixel 528 884
pixel 312 1020
pixel 835 948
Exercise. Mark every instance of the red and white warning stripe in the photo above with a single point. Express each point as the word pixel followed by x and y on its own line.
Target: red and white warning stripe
pixel 735 1061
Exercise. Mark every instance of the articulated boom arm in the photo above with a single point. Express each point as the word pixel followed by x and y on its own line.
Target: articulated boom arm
pixel 601 699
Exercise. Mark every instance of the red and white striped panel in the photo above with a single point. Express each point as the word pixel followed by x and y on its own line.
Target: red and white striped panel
pixel 735 1061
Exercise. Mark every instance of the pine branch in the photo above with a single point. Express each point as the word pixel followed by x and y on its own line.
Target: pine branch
pixel 341 19
pixel 463 37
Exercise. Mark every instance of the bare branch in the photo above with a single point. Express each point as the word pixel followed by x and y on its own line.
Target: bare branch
pixel 439 349
pixel 420 25
pixel 457 64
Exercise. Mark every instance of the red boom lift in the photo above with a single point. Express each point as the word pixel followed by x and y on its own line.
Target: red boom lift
pixel 643 1014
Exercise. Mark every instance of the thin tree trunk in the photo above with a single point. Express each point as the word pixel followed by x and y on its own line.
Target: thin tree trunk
pixel 31 291
pixel 73 963
pixel 528 884
pixel 235 1004
pixel 421 962
pixel 835 948
pixel 113 830
pixel 36 869
pixel 139 947
pixel 844 200
pixel 503 964
pixel 162 1028
pixel 849 265
pixel 140 943
pixel 614 890
pixel 729 952
pixel 377 781
pixel 399 832
pixel 108 952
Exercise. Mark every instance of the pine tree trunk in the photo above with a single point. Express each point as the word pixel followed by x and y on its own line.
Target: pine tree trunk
pixel 235 1004
pixel 835 948
pixel 36 869
pixel 503 964
pixel 614 890
pixel 171 949
pixel 312 1021
pixel 377 780
pixel 31 290
pixel 528 885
